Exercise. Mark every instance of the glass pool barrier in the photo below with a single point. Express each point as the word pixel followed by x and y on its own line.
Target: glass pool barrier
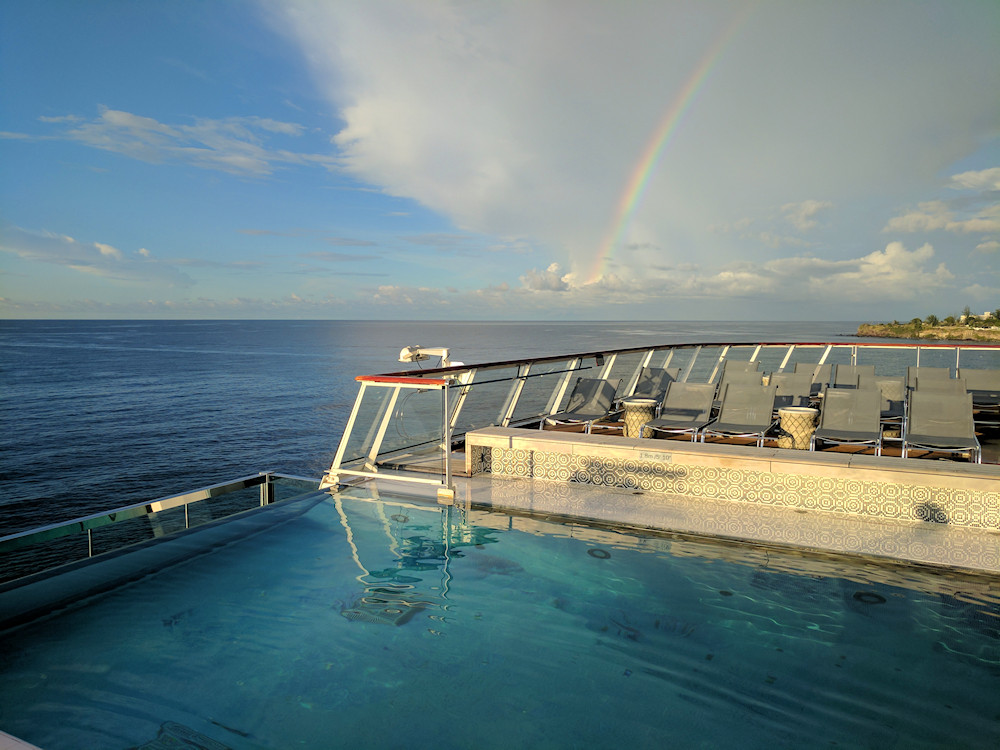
pixel 413 419
pixel 46 547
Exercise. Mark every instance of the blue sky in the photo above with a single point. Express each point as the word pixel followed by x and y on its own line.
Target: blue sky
pixel 474 160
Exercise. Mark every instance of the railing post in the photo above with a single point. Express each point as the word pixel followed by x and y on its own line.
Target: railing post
pixel 690 365
pixel 447 492
pixel 266 490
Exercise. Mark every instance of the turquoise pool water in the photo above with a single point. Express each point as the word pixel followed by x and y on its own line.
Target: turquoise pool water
pixel 357 622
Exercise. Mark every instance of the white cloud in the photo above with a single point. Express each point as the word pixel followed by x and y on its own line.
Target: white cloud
pixel 985 179
pixel 238 145
pixel 894 273
pixel 802 215
pixel 976 212
pixel 549 280
pixel 928 217
pixel 91 258
pixel 521 119
pixel 939 215
pixel 108 251
pixel 329 256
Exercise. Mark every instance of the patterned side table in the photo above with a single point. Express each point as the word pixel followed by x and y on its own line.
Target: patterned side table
pixel 799 422
pixel 638 411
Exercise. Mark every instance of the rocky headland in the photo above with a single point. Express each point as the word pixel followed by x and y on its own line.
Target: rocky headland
pixel 927 332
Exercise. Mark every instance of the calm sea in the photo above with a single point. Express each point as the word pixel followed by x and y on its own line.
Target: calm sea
pixel 100 414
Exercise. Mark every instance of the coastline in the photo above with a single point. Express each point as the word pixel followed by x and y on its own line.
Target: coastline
pixel 931 333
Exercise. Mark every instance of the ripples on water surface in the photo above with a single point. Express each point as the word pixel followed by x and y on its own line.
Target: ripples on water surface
pixel 433 628
pixel 100 414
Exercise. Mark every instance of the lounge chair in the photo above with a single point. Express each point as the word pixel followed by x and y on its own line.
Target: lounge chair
pixel 820 375
pixel 794 389
pixel 653 382
pixel 893 390
pixel 738 365
pixel 940 385
pixel 984 385
pixel 912 373
pixel 590 401
pixel 846 376
pixel 739 376
pixel 685 410
pixel 850 416
pixel 746 411
pixel 941 422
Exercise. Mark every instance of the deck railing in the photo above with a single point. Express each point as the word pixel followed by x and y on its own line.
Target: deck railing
pixel 56 544
pixel 413 418
pixel 380 404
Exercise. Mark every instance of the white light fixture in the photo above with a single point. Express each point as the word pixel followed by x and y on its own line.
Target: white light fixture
pixel 420 353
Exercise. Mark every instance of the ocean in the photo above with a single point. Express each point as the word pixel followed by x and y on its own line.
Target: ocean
pixel 101 414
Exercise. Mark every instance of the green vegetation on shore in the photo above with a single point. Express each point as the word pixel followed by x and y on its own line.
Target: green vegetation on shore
pixel 967 327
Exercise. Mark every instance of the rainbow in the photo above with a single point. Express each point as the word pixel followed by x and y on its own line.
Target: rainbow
pixel 636 185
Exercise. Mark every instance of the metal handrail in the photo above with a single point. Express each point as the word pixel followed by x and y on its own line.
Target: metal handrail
pixel 137 510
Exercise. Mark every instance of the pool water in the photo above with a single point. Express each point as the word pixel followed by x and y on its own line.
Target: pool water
pixel 357 622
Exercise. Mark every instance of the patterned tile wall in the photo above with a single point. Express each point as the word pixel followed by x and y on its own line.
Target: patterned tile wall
pixel 961 507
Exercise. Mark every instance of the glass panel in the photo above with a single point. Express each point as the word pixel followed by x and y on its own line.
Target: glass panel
pixel 416 420
pixel 938 357
pixel 770 358
pixel 37 552
pixel 740 353
pixel 806 355
pixel 374 402
pixel 705 364
pixel 888 360
pixel 485 399
pixel 660 357
pixel 625 367
pixel 543 379
pixel 841 355
pixel 681 359
pixel 980 359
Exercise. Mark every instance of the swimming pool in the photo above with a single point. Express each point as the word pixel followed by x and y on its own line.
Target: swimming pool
pixel 374 622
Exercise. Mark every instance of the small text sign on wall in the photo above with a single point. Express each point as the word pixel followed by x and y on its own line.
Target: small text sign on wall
pixel 654 456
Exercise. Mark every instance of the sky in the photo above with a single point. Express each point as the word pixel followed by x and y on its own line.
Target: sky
pixel 499 160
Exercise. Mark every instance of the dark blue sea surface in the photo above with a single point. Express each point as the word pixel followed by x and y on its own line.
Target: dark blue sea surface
pixel 100 414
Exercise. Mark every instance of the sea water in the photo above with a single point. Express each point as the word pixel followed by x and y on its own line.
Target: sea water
pixel 102 414
pixel 364 622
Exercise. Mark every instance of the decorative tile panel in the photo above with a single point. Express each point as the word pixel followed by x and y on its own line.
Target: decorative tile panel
pixel 881 499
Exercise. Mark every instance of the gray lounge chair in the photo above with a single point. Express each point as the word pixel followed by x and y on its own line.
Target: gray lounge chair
pixel 685 410
pixel 940 385
pixel 738 365
pixel 941 422
pixel 984 385
pixel 590 401
pixel 746 411
pixel 850 416
pixel 893 390
pixel 820 375
pixel 846 376
pixel 653 382
pixel 912 373
pixel 794 389
pixel 739 376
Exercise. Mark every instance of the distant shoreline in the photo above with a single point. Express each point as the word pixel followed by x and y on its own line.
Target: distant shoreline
pixel 925 332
